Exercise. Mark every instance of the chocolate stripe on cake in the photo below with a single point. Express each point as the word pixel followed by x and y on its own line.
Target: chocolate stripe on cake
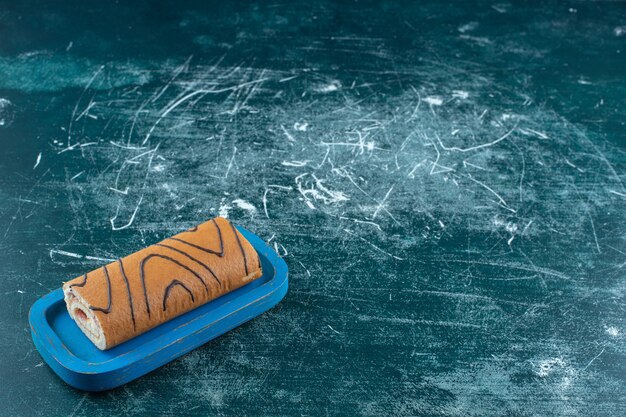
pixel 130 297
pixel 219 233
pixel 205 266
pixel 243 252
pixel 106 309
pixel 172 285
pixel 142 274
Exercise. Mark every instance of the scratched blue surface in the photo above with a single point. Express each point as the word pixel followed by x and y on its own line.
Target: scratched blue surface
pixel 445 182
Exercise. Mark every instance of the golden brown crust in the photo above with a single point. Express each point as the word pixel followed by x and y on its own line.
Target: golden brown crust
pixel 160 282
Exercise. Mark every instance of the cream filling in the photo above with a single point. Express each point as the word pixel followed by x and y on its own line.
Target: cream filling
pixel 84 317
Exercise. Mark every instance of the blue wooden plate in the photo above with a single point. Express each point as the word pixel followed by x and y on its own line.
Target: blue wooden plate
pixel 78 362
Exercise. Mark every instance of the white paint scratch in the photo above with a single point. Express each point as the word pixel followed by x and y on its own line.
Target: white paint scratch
pixel 132 217
pixel 594 358
pixel 491 190
pixel 593 229
pixel 78 256
pixel 374 246
pixel 64 253
pixel 473 148
pixel 382 202
pixel 37 161
pixel 318 191
pixel 376 225
pixel 330 87
pixel 463 95
pixel 301 127
pixel 617 193
pixel 434 100
pixel 611 331
pixel 244 205
pixel 294 163
pixel 331 328
pixel 286 132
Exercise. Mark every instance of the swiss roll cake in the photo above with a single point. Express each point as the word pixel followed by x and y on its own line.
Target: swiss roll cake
pixel 134 294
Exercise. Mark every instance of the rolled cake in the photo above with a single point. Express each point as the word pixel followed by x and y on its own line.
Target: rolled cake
pixel 134 294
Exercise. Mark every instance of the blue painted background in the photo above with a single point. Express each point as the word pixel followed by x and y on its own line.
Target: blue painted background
pixel 445 182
